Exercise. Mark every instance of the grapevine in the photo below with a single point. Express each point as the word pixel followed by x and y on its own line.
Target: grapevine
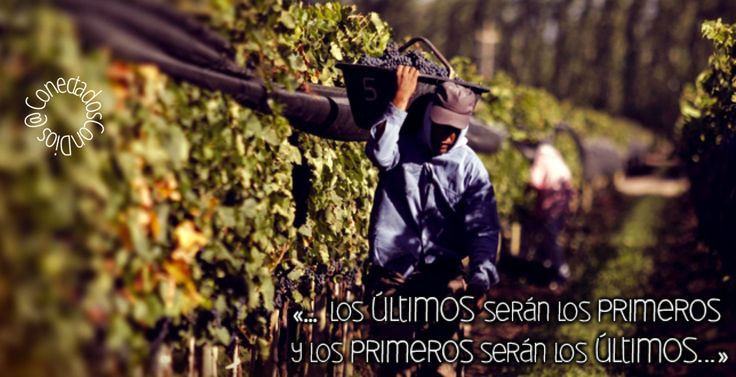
pixel 187 203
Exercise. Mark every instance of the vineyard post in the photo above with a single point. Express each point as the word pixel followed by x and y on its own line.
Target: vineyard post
pixel 209 361
pixel 283 340
pixel 346 337
pixel 192 372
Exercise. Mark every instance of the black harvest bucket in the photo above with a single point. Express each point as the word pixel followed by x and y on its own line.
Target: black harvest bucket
pixel 370 88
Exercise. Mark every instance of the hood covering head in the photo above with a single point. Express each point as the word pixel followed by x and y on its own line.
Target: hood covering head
pixel 546 150
pixel 426 131
pixel 549 169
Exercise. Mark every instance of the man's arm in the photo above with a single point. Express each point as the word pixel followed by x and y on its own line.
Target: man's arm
pixel 382 147
pixel 482 233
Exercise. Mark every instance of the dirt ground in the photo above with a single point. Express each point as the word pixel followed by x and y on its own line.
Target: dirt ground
pixel 674 265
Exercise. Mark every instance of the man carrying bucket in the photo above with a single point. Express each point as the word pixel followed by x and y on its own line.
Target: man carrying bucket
pixel 434 206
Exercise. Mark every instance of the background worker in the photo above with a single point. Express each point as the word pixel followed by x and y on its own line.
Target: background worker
pixel 550 177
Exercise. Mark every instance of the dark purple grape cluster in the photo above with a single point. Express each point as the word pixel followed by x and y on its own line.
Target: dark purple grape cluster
pixel 320 282
pixel 283 289
pixel 392 58
pixel 321 277
pixel 350 276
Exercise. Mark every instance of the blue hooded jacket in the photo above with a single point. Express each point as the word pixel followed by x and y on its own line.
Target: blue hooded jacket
pixel 427 206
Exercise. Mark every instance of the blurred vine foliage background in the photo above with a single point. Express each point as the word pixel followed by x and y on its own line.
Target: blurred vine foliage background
pixel 707 140
pixel 530 115
pixel 180 221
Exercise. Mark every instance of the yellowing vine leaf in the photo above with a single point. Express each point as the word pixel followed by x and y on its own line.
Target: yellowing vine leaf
pixel 188 241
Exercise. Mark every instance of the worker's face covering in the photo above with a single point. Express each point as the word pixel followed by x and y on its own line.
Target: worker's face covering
pixel 443 138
